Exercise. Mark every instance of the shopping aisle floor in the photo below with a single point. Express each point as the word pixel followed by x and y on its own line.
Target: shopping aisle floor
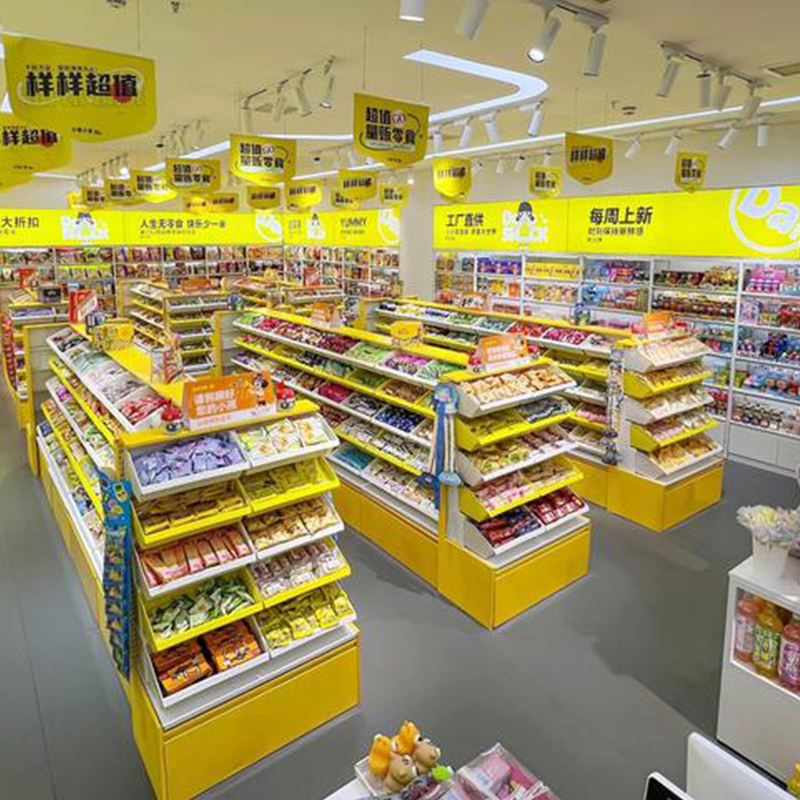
pixel 593 689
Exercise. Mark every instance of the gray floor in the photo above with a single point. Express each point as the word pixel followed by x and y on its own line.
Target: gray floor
pixel 593 689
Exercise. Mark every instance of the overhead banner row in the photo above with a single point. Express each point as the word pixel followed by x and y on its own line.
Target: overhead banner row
pixel 736 223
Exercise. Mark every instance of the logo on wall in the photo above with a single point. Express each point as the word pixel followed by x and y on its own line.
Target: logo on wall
pixel 523 226
pixel 85 227
pixel 315 229
pixel 767 219
pixel 389 226
pixel 269 227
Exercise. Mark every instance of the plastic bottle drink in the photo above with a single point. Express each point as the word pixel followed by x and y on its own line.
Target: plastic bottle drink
pixel 747 610
pixel 789 660
pixel 767 641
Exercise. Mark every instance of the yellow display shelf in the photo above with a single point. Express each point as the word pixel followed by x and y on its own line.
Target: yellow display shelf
pixel 148 607
pixel 187 322
pixel 636 386
pixel 463 376
pixel 197 351
pixel 471 506
pixel 467 439
pixel 96 502
pixel 378 453
pixel 595 373
pixel 305 588
pixel 260 506
pixel 145 332
pixel 642 440
pixel 586 423
pixel 156 308
pixel 432 338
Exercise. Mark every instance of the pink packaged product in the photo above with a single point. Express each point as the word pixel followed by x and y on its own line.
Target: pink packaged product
pixel 497 775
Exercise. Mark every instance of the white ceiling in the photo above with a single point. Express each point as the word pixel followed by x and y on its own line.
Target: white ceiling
pixel 209 54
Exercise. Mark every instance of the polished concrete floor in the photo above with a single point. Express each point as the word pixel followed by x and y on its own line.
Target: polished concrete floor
pixel 593 689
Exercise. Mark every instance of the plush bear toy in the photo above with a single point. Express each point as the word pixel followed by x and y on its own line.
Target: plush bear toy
pixel 426 756
pixel 402 770
pixel 380 755
pixel 406 739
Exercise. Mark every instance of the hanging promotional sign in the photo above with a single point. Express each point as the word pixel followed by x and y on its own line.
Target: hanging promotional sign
pixel 93 196
pixel 261 159
pixel 393 195
pixel 501 351
pixel 92 95
pixel 263 197
pixel 452 177
pixel 690 170
pixel 545 181
pixel 75 202
pixel 26 149
pixel 302 195
pixel 193 174
pixel 217 203
pixel 589 159
pixel 120 190
pixel 390 131
pixel 338 200
pixel 357 185
pixel 208 402
pixel 10 181
pixel 151 187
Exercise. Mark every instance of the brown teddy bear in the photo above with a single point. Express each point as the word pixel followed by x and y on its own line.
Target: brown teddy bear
pixel 426 756
pixel 402 770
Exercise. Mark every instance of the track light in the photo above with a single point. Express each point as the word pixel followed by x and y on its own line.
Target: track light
pixel 302 98
pixel 673 144
pixel 721 92
pixel 547 161
pixel 550 29
pixel 634 147
pixel 471 17
pixel 490 123
pixel 753 102
pixel 279 105
pixel 729 137
pixel 536 120
pixel 519 164
pixel 501 166
pixel 594 58
pixel 436 134
pixel 762 133
pixel 337 160
pixel 704 87
pixel 410 179
pixel 466 134
pixel 413 10
pixel 670 72
pixel 477 167
pixel 125 170
pixel 351 158
pixel 330 80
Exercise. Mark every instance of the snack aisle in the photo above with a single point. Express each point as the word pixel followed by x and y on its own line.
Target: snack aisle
pixel 237 571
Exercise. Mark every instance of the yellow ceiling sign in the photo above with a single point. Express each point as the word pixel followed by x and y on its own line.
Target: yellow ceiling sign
pixel 92 95
pixel 263 197
pixel 589 159
pixel 690 170
pixel 357 185
pixel 545 181
pixel 393 195
pixel 216 203
pixel 121 190
pixel 9 181
pixel 151 187
pixel 261 159
pixel 93 196
pixel 338 200
pixel 193 174
pixel 452 177
pixel 26 149
pixel 390 131
pixel 302 195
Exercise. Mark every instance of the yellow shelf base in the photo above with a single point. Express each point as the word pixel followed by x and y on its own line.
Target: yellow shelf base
pixel 593 487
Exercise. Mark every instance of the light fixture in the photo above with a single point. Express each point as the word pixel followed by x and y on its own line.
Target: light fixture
pixel 436 135
pixel 753 102
pixel 466 133
pixel 471 17
pixel 519 163
pixel 501 166
pixel 302 98
pixel 351 157
pixel 279 105
pixel 330 80
pixel 594 58
pixel 550 29
pixel 722 91
pixel 125 169
pixel 477 167
pixel 490 123
pixel 337 160
pixel 671 68
pixel 729 137
pixel 6 107
pixel 762 132
pixel 634 147
pixel 704 86
pixel 547 161
pixel 410 179
pixel 673 144
pixel 413 10
pixel 536 120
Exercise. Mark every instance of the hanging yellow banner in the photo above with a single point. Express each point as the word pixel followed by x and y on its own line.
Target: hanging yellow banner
pixel 261 159
pixel 338 200
pixel 120 190
pixel 589 159
pixel 75 202
pixel 545 181
pixel 302 195
pixel 151 187
pixel 26 149
pixel 217 203
pixel 690 170
pixel 8 181
pixel 393 195
pixel 193 174
pixel 263 197
pixel 452 177
pixel 93 196
pixel 357 185
pixel 390 131
pixel 92 95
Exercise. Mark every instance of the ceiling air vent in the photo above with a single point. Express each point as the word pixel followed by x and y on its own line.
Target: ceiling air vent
pixel 787 70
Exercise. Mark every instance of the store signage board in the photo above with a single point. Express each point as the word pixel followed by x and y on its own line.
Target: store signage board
pixel 545 181
pixel 26 149
pixel 392 132
pixel 393 195
pixel 354 228
pixel 93 197
pixel 263 198
pixel 91 95
pixel 338 200
pixel 589 159
pixel 303 195
pixel 208 402
pixel 262 160
pixel 81 303
pixel 501 351
pixel 120 191
pixel 452 177
pixel 406 332
pixel 690 170
pixel 160 228
pixel 214 203
pixel 151 187
pixel 357 184
pixel 198 175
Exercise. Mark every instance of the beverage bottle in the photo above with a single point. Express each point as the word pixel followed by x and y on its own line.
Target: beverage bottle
pixel 794 782
pixel 747 610
pixel 767 641
pixel 789 659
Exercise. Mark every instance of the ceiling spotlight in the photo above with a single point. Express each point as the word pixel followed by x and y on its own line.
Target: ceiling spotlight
pixel 466 134
pixel 471 17
pixel 536 120
pixel 351 158
pixel 634 148
pixel 730 136
pixel 673 144
pixel 594 58
pixel 330 80
pixel 279 105
pixel 547 161
pixel 762 132
pixel 302 98
pixel 704 87
pixel 671 68
pixel 490 123
pixel 501 166
pixel 125 170
pixel 413 10
pixel 752 103
pixel 550 29
pixel 436 134
pixel 410 180
pixel 519 163
pixel 478 166
pixel 721 92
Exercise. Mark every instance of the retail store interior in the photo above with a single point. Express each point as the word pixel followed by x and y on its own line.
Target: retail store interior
pixel 400 399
